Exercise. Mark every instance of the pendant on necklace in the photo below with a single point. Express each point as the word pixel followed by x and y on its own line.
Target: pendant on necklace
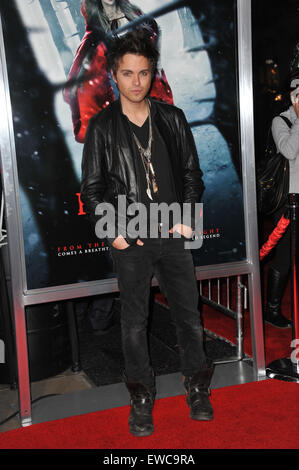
pixel 147 154
pixel 148 192
pixel 154 182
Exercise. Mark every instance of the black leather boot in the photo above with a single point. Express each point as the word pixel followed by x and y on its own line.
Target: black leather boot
pixel 275 290
pixel 142 402
pixel 198 392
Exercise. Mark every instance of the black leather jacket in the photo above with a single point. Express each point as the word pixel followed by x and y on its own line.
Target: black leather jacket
pixel 108 164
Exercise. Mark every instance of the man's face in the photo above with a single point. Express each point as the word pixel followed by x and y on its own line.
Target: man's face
pixel 133 77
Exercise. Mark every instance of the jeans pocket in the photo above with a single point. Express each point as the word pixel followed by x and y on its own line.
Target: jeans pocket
pixel 122 250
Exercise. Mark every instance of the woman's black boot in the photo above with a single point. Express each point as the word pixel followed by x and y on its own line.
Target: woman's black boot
pixel 275 290
pixel 142 402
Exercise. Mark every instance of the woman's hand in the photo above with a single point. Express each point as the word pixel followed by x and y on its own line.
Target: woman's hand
pixel 295 100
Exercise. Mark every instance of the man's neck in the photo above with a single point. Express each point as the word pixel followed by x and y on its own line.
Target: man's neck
pixel 135 112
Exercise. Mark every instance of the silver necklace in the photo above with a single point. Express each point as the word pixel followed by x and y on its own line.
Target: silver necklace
pixel 146 156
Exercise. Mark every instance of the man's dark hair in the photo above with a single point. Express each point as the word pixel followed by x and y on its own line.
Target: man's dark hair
pixel 134 42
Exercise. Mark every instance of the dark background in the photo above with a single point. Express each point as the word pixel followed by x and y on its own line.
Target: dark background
pixel 275 33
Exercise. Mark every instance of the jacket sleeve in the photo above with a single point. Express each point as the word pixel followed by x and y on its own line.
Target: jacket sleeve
pixel 93 182
pixel 286 139
pixel 193 185
pixel 95 185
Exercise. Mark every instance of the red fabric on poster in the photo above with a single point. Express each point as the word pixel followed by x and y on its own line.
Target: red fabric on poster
pixel 95 92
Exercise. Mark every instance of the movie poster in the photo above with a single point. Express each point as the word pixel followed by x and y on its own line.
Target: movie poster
pixel 54 52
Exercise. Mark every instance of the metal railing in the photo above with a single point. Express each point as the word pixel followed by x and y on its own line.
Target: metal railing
pixel 218 293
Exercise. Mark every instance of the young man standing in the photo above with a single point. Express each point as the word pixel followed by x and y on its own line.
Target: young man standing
pixel 144 150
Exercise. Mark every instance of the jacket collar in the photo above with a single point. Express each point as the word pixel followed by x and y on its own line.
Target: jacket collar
pixel 119 107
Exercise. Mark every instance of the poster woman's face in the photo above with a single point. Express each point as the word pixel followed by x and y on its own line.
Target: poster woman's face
pixel 108 3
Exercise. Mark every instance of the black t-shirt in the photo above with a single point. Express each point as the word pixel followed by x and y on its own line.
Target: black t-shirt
pixel 161 165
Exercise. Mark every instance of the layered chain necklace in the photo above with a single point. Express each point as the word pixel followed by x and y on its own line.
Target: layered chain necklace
pixel 146 157
pixel 115 23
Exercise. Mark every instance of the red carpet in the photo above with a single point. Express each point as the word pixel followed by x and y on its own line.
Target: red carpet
pixel 258 415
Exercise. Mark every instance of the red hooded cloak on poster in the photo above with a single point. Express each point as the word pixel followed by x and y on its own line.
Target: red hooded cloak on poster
pixel 92 89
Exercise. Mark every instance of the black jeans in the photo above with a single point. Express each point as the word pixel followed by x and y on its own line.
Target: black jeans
pixel 173 264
